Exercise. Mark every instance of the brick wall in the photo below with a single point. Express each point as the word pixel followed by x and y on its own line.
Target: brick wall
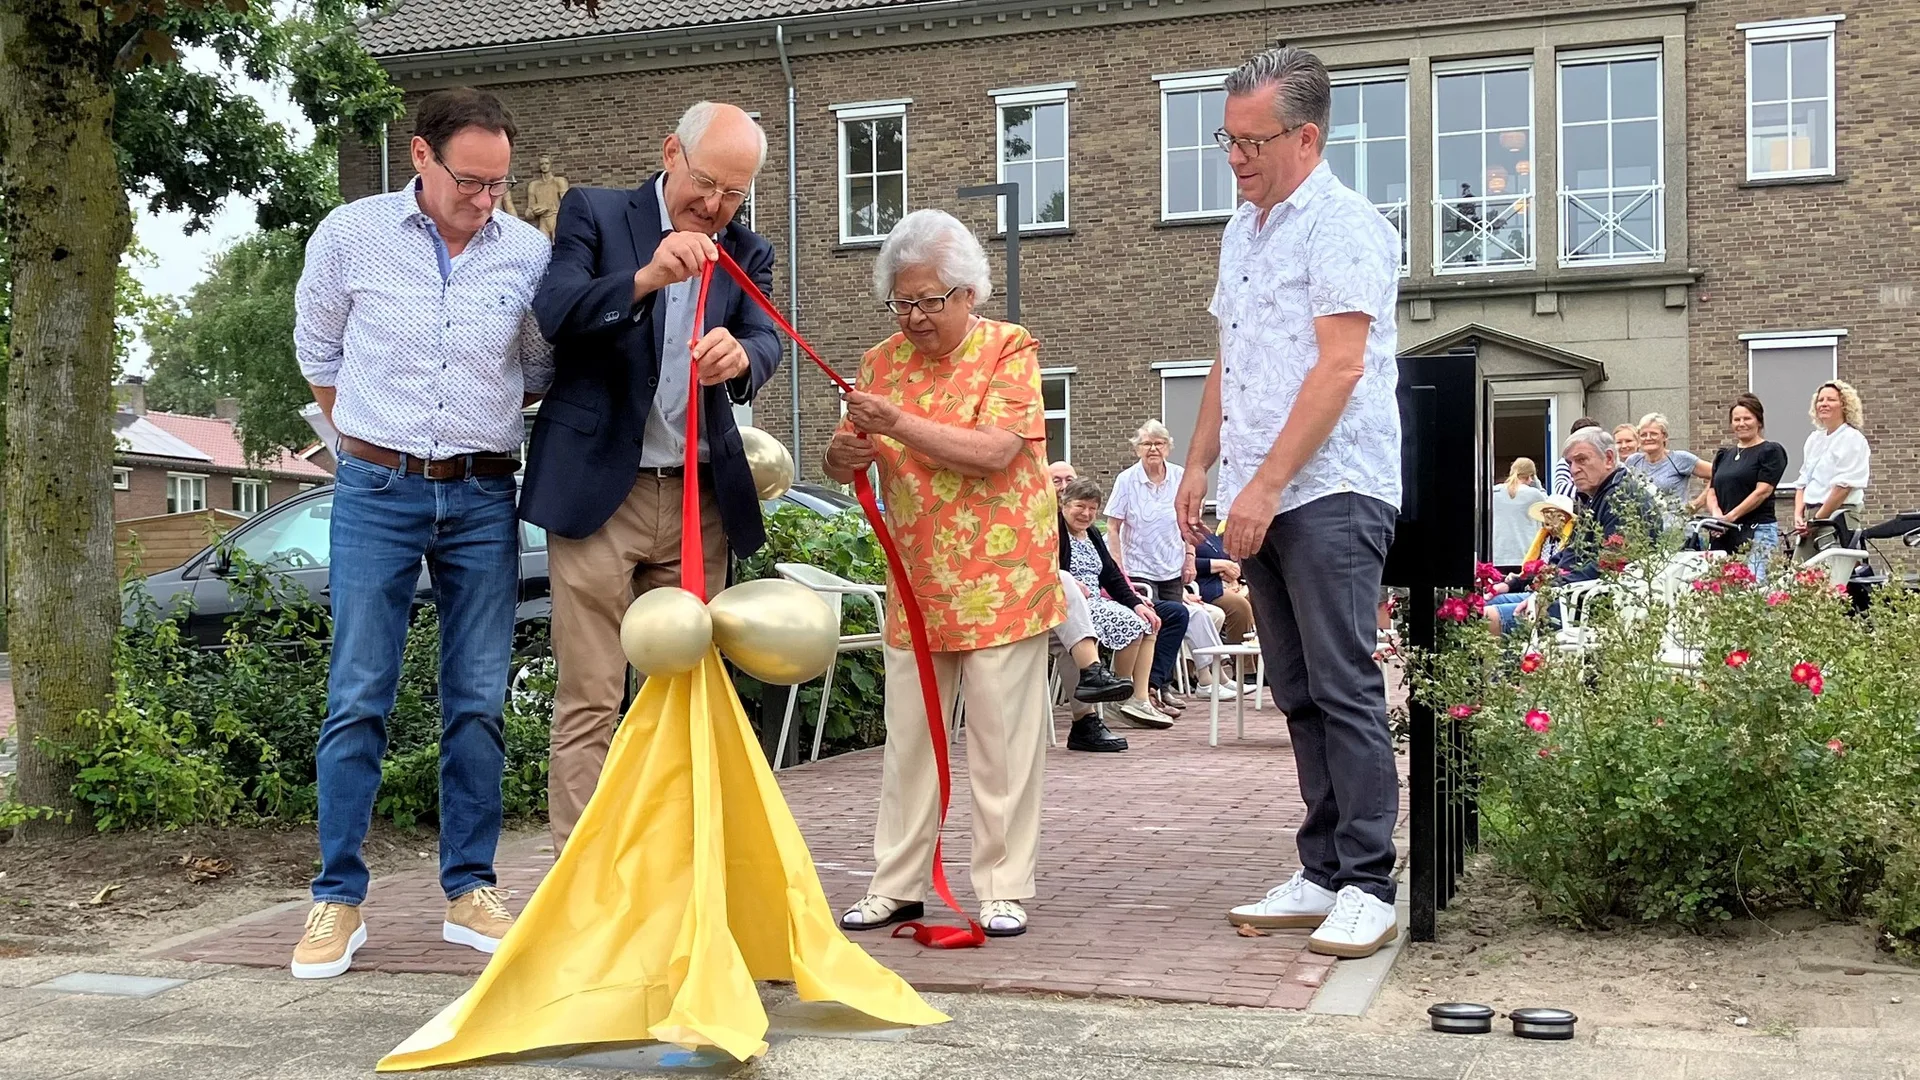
pixel 1819 255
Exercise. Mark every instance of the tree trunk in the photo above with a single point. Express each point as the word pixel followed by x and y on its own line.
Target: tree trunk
pixel 68 222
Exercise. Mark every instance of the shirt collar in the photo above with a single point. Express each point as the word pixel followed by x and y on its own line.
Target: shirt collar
pixel 411 214
pixel 1309 189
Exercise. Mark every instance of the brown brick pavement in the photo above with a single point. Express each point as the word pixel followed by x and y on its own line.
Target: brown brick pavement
pixel 1142 854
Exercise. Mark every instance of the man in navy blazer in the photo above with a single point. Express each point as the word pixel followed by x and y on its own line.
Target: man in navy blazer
pixel 605 471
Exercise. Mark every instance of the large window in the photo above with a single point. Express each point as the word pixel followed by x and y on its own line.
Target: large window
pixel 185 492
pixel 1195 179
pixel 1033 152
pixel 1367 143
pixel 1610 158
pixel 1057 398
pixel 1483 167
pixel 1784 371
pixel 249 496
pixel 873 169
pixel 1181 385
pixel 1790 99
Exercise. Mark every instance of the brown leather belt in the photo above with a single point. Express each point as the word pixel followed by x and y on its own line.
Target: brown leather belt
pixel 453 468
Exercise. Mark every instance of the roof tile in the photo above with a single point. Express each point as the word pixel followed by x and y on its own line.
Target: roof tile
pixel 417 26
pixel 217 441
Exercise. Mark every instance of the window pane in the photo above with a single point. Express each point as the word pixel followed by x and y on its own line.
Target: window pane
pixel 859 146
pixel 1772 150
pixel 1183 119
pixel 1017 141
pixel 1056 439
pixel 1583 225
pixel 1636 89
pixel 1769 71
pixel 1809 67
pixel 892 202
pixel 1459 171
pixel 1183 181
pixel 1459 103
pixel 1636 153
pixel 1385 108
pixel 1503 165
pixel 1342 158
pixel 1810 149
pixel 1022 174
pixel 1213 114
pixel 1052 124
pixel 1387 171
pixel 889 148
pixel 1053 393
pixel 860 206
pixel 1509 99
pixel 1346 108
pixel 1050 192
pixel 1217 177
pixel 1583 92
pixel 1637 221
pixel 1584 163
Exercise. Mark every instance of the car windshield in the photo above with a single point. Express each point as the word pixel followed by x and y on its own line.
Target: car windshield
pixel 295 538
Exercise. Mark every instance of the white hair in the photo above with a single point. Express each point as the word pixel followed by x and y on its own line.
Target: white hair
pixel 697 119
pixel 1657 419
pixel 1152 429
pixel 937 240
pixel 1598 438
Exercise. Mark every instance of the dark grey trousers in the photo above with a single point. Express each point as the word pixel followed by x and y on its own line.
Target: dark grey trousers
pixel 1315 588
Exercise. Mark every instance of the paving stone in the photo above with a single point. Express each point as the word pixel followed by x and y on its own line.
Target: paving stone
pixel 1680 1040
pixel 1503 1057
pixel 1206 1039
pixel 1422 1057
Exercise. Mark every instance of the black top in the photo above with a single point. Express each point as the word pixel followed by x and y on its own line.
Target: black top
pixel 1111 579
pixel 1737 470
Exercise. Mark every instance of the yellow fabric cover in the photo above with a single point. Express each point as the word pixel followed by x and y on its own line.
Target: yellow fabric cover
pixel 685 881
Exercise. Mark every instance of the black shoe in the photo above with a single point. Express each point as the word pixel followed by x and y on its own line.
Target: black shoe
pixel 1098 685
pixel 1090 734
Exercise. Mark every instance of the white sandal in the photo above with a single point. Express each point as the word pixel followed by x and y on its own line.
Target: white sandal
pixel 1003 918
pixel 873 912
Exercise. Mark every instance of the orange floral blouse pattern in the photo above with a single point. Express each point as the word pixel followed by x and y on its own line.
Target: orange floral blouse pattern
pixel 981 554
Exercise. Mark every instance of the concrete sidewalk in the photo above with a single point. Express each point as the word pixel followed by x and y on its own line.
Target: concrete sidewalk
pixel 236 1023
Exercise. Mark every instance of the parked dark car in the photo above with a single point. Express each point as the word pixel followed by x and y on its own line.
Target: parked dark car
pixel 294 538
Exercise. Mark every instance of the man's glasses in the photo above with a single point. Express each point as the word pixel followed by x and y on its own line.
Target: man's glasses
pixel 495 188
pixel 932 305
pixel 1248 147
pixel 706 186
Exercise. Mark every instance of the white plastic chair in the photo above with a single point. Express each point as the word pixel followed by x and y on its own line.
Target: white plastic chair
pixel 1838 563
pixel 833 589
pixel 1234 654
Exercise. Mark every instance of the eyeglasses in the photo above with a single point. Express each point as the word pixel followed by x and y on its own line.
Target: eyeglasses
pixel 495 188
pixel 1249 147
pixel 707 187
pixel 932 305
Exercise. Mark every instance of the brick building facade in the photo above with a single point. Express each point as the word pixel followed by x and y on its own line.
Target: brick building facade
pixel 168 463
pixel 1571 179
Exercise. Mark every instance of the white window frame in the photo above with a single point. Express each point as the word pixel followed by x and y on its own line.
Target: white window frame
pixel 1394 212
pixel 174 480
pixel 1760 341
pixel 1180 83
pixel 1052 94
pixel 1528 202
pixel 1656 193
pixel 262 498
pixel 1064 413
pixel 122 478
pixel 1817 28
pixel 306 486
pixel 868 110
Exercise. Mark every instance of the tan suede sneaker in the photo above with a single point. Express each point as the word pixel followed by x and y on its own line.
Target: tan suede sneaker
pixel 334 933
pixel 478 920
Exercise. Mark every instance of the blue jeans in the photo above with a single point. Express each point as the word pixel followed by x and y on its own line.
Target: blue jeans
pixel 1766 544
pixel 1166 647
pixel 1507 606
pixel 384 523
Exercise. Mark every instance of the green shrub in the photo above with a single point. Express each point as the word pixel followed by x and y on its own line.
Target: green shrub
pixel 1619 783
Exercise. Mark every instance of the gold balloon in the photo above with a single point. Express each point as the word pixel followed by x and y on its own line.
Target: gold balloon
pixel 771 464
pixel 666 632
pixel 777 631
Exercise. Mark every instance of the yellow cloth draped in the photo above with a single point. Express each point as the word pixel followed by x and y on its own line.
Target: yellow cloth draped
pixel 685 882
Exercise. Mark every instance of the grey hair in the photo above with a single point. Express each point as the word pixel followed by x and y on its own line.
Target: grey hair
pixel 1599 438
pixel 1305 94
pixel 700 116
pixel 1658 419
pixel 1152 429
pixel 939 241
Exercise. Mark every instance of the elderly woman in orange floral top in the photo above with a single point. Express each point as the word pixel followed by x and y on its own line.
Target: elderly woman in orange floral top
pixel 950 409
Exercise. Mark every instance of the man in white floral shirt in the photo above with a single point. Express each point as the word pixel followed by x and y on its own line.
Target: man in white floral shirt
pixel 1299 410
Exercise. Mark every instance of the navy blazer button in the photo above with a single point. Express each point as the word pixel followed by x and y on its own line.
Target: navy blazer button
pixel 652 382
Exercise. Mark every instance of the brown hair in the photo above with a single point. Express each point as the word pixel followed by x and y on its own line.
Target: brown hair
pixel 1583 422
pixel 1084 489
pixel 446 113
pixel 1752 405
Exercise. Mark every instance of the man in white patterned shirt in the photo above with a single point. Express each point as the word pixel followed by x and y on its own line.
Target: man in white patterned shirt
pixel 1301 414
pixel 413 327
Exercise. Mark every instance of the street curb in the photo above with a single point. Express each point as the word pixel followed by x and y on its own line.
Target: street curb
pixel 1352 985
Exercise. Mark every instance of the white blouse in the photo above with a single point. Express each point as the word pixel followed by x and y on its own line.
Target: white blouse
pixel 1834 458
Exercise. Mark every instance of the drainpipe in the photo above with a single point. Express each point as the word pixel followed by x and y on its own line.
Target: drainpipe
pixel 793 251
pixel 386 184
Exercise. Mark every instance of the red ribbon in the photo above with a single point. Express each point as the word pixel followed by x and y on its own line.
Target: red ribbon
pixel 693 578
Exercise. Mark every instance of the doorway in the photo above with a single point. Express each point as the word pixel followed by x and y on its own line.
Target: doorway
pixel 1523 427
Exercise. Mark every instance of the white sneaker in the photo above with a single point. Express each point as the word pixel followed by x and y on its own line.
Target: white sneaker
pixel 1140 713
pixel 1297 905
pixel 1220 691
pixel 1357 926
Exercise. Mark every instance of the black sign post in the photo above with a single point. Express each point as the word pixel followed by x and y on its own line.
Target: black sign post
pixel 1009 193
